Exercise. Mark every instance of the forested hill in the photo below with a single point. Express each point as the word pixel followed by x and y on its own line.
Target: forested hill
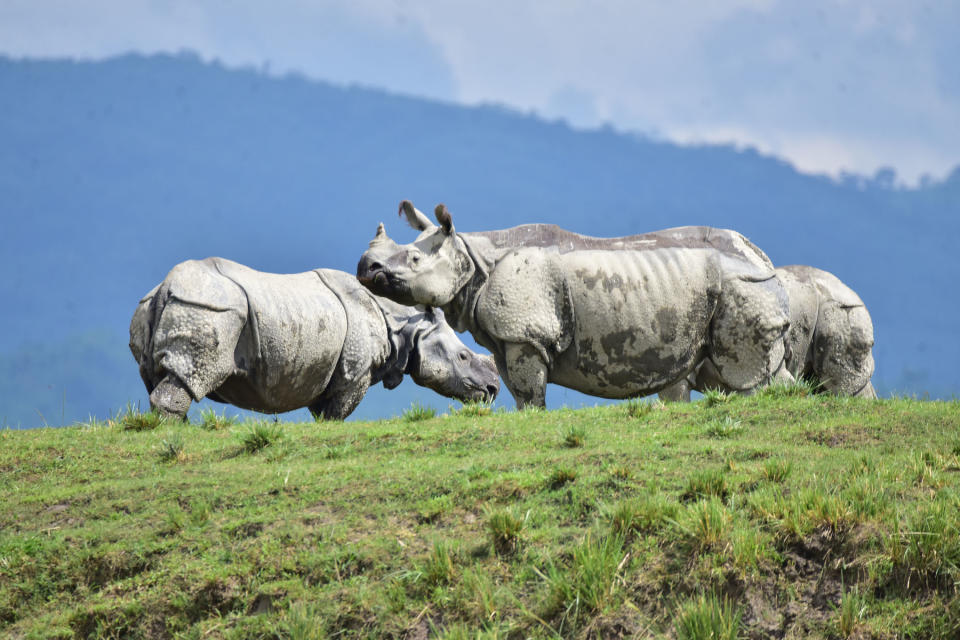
pixel 111 172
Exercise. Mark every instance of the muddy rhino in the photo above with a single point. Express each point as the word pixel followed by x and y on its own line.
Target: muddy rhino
pixel 277 342
pixel 610 317
pixel 830 340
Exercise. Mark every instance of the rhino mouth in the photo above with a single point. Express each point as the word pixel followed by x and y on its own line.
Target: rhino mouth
pixel 480 393
pixel 382 283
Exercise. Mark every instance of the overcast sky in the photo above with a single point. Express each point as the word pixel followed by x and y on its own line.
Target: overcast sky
pixel 829 85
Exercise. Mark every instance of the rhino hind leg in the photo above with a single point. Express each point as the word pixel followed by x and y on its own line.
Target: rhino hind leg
pixel 843 357
pixel 677 392
pixel 197 345
pixel 747 334
pixel 170 398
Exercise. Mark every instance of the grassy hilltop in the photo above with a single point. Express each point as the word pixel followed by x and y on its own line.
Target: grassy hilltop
pixel 765 517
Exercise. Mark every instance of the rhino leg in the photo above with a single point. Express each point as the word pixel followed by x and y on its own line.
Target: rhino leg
pixel 843 357
pixel 197 345
pixel 525 374
pixel 170 398
pixel 677 392
pixel 867 392
pixel 339 401
pixel 747 333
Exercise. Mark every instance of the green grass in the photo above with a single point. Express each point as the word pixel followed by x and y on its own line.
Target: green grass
pixel 726 427
pixel 260 435
pixel 209 419
pixel 821 517
pixel 418 412
pixel 706 617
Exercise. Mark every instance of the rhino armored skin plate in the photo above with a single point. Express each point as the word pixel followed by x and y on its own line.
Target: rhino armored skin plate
pixel 278 342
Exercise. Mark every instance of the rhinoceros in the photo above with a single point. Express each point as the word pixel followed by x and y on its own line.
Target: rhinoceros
pixel 277 342
pixel 610 317
pixel 830 339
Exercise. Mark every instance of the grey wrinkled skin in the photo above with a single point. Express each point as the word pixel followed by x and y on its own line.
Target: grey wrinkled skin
pixel 830 340
pixel 610 317
pixel 278 342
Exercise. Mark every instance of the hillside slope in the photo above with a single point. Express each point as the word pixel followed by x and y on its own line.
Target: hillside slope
pixel 801 517
pixel 111 172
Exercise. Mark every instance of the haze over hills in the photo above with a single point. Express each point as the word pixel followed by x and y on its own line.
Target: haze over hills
pixel 112 172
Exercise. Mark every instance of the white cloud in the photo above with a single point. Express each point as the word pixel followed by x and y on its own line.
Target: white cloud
pixel 853 84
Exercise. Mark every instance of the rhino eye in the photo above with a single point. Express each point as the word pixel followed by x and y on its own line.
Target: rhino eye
pixel 463 356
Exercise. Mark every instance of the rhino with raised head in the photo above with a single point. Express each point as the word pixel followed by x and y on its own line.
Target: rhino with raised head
pixel 277 342
pixel 830 340
pixel 611 317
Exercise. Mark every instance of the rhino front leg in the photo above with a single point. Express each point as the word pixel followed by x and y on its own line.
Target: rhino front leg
pixel 170 398
pixel 336 403
pixel 525 374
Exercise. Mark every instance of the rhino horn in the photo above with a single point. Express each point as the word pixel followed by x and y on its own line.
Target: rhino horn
pixel 444 218
pixel 381 236
pixel 415 217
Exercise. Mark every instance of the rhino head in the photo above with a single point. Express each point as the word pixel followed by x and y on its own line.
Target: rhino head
pixel 429 271
pixel 439 361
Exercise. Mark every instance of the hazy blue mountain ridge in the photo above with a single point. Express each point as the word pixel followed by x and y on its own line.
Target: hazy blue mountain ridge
pixel 112 172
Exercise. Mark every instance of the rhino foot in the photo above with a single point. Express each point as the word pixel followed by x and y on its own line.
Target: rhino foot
pixel 170 398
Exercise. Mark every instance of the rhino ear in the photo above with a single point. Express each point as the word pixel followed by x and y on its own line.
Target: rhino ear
pixel 415 217
pixel 444 218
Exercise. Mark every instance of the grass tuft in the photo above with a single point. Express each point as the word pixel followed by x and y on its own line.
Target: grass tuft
pixel 440 567
pixel 726 427
pixel 593 580
pixel 706 617
pixel 210 421
pixel 134 420
pixel 637 408
pixel 171 450
pixel 475 409
pixel 575 437
pixel 560 477
pixel 418 412
pixel 849 613
pixel 715 397
pixel 706 483
pixel 303 621
pixel 260 436
pixel 776 470
pixel 641 515
pixel 796 389
pixel 704 524
pixel 505 527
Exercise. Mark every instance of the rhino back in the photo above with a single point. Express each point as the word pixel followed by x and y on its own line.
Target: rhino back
pixel 292 342
pixel 733 245
pixel 642 317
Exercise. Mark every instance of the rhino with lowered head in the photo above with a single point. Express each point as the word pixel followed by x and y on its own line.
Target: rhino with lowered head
pixel 611 317
pixel 830 340
pixel 277 342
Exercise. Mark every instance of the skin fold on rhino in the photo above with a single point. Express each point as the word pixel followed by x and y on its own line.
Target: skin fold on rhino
pixel 830 340
pixel 278 342
pixel 610 317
